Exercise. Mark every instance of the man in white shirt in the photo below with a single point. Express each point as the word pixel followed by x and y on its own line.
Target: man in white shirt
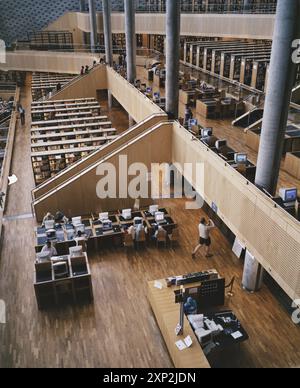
pixel 204 237
pixel 49 249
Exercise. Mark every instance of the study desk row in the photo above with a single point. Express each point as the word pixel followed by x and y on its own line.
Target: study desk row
pixel 74 143
pixel 95 233
pixel 65 112
pixel 75 285
pixel 101 123
pixel 71 135
pixel 62 104
pixel 67 121
pixel 291 139
pixel 72 100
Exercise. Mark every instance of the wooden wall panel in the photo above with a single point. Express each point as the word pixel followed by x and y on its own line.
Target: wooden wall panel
pixel 42 61
pixel 78 196
pixel 86 86
pixel 271 234
pixel 133 101
pixel 79 167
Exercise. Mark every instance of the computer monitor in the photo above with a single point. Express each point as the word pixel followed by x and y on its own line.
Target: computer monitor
pixel 149 90
pixel 60 269
pixel 193 122
pixel 51 234
pixel 138 221
pixel 103 216
pixel 76 221
pixel 80 228
pixel 221 144
pixel 76 251
pixel 206 132
pixel 49 224
pixel 153 209
pixel 288 195
pixel 241 158
pixel 106 225
pixel 126 214
pixel 159 216
pixel 156 96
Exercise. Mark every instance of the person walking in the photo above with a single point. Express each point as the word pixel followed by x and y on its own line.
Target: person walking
pixel 204 237
pixel 22 114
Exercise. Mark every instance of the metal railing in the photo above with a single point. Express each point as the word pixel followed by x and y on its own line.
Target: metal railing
pixel 202 6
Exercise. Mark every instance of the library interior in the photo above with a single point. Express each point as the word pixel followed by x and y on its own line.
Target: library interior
pixel 150 184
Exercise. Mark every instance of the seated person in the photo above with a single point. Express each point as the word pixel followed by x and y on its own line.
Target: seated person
pixel 81 239
pixel 48 217
pixel 49 249
pixel 139 231
pixel 60 218
pixel 160 233
pixel 131 230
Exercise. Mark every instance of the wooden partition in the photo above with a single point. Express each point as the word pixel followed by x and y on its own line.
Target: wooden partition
pixel 8 157
pixel 78 195
pixel 52 62
pixel 87 162
pixel 270 234
pixel 85 86
pixel 138 106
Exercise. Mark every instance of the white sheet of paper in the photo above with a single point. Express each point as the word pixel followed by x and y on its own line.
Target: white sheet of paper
pixel 237 335
pixel 158 285
pixel 238 248
pixel 188 341
pixel 180 345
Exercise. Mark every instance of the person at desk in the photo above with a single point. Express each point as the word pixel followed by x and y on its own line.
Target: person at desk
pixel 80 239
pixel 140 231
pixel 131 231
pixel 49 249
pixel 204 240
pixel 60 218
pixel 188 115
pixel 48 217
pixel 160 233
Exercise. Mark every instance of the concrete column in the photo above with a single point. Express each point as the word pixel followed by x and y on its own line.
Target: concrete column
pixel 93 23
pixel 130 40
pixel 82 5
pixel 172 58
pixel 107 31
pixel 280 84
pixel 247 4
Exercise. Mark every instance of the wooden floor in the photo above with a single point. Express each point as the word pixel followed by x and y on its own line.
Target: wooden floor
pixel 119 329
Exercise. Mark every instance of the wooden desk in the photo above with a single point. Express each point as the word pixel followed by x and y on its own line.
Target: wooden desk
pixel 77 287
pixel 292 164
pixel 167 316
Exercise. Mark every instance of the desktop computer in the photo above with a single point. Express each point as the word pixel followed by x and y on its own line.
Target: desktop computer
pixel 126 214
pixel 153 209
pixel 103 216
pixel 241 159
pixel 206 132
pixel 76 221
pixel 288 196
pixel 138 221
pixel 159 217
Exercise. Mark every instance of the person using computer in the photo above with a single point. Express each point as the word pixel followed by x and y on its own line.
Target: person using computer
pixel 131 231
pixel 81 239
pixel 60 218
pixel 204 240
pixel 139 232
pixel 49 249
pixel 48 217
pixel 160 233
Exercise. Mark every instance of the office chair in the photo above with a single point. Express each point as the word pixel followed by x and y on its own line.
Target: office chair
pixel 128 241
pixel 142 239
pixel 161 238
pixel 174 237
